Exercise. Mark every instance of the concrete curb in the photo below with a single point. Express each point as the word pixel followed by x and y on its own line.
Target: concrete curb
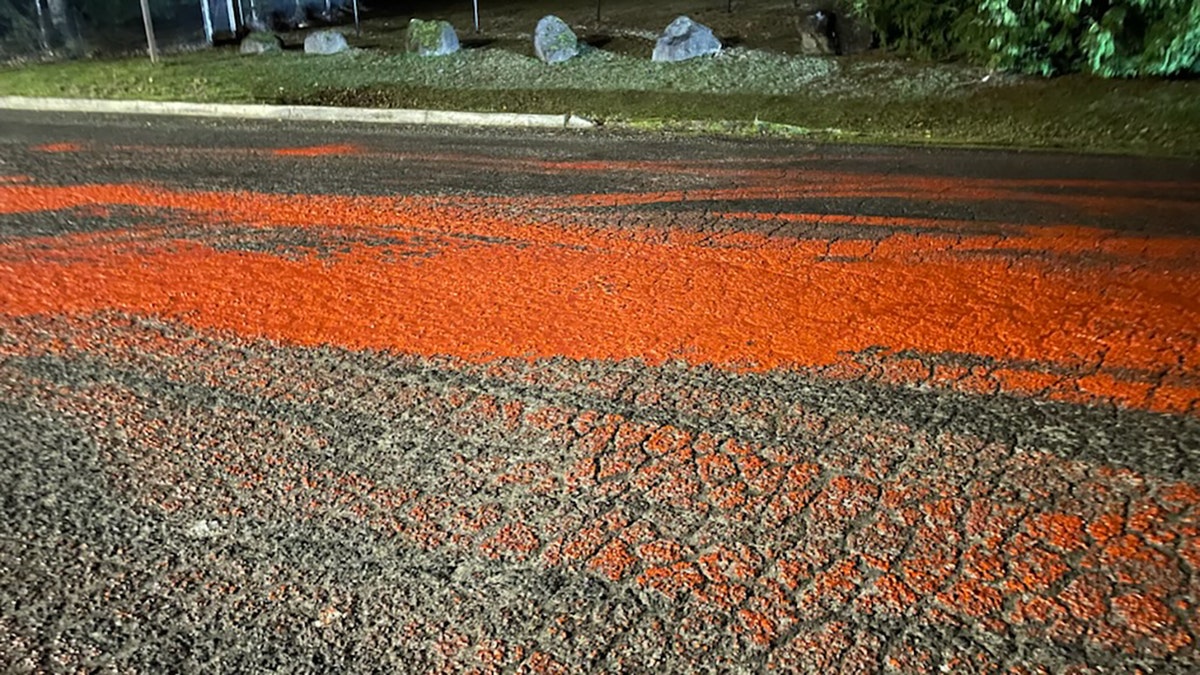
pixel 302 113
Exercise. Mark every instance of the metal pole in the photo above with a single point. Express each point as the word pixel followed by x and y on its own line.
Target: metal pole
pixel 232 24
pixel 476 5
pixel 149 31
pixel 208 27
pixel 597 11
pixel 43 36
pixel 357 27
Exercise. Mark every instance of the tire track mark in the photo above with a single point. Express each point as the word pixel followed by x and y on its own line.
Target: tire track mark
pixel 847 525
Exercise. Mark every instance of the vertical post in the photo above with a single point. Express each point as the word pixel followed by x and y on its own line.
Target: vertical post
pixel 357 27
pixel 232 19
pixel 43 35
pixel 205 12
pixel 597 11
pixel 729 7
pixel 475 3
pixel 150 42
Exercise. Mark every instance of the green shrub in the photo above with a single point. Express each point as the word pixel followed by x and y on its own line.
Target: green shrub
pixel 1110 38
pixel 931 29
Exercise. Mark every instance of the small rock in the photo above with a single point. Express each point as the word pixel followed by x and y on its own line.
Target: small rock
pixel 431 38
pixel 327 616
pixel 554 41
pixel 260 43
pixel 826 29
pixel 325 42
pixel 205 529
pixel 685 39
pixel 814 43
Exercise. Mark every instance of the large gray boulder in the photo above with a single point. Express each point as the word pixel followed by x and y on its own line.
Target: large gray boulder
pixel 431 38
pixel 685 39
pixel 260 43
pixel 554 41
pixel 325 42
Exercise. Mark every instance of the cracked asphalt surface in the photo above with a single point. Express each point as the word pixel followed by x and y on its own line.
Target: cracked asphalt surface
pixel 331 398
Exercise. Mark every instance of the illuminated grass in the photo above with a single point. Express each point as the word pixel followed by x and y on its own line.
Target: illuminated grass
pixel 872 99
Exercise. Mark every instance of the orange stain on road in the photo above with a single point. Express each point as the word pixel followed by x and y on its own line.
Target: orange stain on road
pixel 944 529
pixel 320 151
pixel 59 147
pixel 483 286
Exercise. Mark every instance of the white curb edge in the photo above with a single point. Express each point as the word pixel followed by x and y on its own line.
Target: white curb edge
pixel 303 113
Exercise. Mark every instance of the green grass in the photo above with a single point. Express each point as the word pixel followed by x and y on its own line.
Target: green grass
pixel 870 99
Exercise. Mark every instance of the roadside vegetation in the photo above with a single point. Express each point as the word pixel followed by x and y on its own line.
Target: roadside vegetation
pixel 1107 38
pixel 912 91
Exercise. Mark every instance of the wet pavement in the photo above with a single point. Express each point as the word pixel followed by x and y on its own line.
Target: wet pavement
pixel 333 398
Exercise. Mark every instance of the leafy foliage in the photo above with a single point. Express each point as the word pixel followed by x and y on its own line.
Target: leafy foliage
pixel 933 29
pixel 1110 38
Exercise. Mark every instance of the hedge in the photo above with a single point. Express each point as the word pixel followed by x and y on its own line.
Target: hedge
pixel 1110 38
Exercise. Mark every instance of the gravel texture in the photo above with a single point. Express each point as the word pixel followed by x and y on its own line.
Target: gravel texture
pixel 733 71
pixel 314 398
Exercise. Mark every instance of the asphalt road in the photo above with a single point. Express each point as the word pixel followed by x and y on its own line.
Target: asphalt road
pixel 340 399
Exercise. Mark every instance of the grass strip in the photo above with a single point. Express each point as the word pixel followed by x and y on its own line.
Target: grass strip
pixel 1076 113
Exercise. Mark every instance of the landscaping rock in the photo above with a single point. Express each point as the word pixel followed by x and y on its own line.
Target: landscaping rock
pixel 325 42
pixel 431 38
pixel 260 43
pixel 685 39
pixel 554 41
pixel 816 32
pixel 831 28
